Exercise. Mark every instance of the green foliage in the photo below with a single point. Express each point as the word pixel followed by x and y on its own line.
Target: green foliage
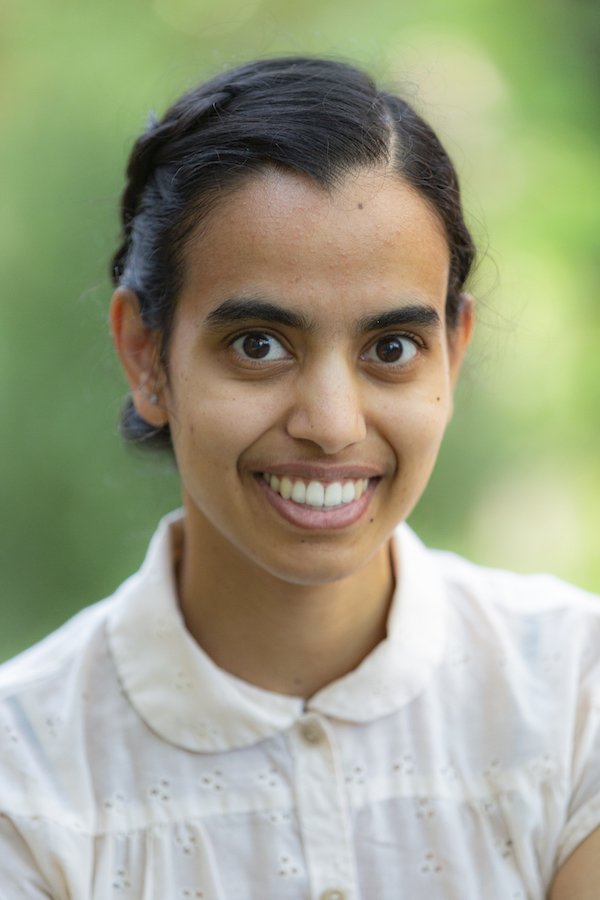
pixel 513 88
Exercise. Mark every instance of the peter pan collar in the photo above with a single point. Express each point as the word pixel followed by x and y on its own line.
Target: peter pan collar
pixel 184 697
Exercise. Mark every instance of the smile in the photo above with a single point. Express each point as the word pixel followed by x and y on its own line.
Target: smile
pixel 317 494
pixel 319 500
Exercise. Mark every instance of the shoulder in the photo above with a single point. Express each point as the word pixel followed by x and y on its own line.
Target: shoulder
pixel 63 702
pixel 55 654
pixel 513 592
pixel 539 617
pixel 46 699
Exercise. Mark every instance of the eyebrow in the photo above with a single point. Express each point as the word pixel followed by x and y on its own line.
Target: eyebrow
pixel 241 309
pixel 238 310
pixel 414 314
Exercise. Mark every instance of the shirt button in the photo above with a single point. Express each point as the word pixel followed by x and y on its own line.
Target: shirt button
pixel 332 894
pixel 312 734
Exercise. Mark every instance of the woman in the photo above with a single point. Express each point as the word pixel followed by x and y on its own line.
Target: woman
pixel 293 698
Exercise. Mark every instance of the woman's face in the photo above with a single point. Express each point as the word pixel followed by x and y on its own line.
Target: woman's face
pixel 310 344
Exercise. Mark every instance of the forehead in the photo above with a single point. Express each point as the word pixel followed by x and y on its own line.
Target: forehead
pixel 370 241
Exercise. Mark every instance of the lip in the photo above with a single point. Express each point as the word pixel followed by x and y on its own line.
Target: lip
pixel 318 519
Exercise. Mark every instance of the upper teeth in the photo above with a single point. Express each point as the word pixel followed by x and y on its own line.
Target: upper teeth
pixel 317 493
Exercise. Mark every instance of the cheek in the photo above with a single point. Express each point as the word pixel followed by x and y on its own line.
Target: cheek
pixel 214 424
pixel 415 427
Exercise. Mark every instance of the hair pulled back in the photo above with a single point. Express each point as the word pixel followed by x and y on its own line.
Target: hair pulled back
pixel 319 117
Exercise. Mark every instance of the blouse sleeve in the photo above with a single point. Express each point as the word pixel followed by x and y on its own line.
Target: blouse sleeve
pixel 584 807
pixel 20 878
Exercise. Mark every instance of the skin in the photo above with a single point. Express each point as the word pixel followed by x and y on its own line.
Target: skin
pixel 579 876
pixel 289 607
pixel 285 607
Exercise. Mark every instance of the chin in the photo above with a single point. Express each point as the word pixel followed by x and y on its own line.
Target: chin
pixel 312 565
pixel 311 576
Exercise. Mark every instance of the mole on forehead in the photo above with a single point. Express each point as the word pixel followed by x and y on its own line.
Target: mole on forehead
pixel 242 309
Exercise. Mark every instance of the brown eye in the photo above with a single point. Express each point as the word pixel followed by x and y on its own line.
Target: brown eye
pixel 259 346
pixel 393 348
pixel 256 345
pixel 389 349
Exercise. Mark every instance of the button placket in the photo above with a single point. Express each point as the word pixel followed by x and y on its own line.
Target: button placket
pixel 323 812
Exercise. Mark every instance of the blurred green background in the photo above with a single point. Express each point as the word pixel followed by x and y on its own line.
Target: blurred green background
pixel 513 87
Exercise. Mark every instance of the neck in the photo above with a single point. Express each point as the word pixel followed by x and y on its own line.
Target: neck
pixel 289 638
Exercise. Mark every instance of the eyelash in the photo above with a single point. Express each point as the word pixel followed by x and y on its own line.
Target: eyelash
pixel 404 335
pixel 258 363
pixel 255 363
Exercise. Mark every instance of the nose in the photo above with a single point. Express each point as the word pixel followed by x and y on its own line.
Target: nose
pixel 328 407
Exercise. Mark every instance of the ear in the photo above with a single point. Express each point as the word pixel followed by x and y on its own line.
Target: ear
pixel 138 351
pixel 460 336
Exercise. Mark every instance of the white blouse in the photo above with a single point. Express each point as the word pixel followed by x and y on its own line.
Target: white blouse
pixel 459 761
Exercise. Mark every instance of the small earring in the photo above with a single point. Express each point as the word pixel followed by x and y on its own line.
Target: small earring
pixel 153 399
